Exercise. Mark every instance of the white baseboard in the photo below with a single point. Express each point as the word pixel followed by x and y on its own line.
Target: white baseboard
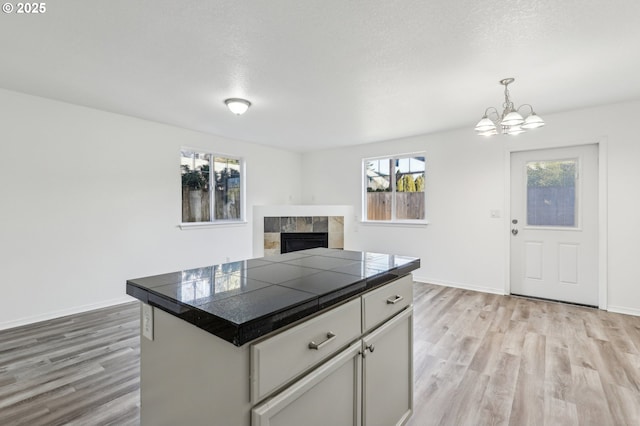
pixel 463 286
pixel 615 309
pixel 65 312
pixel 623 310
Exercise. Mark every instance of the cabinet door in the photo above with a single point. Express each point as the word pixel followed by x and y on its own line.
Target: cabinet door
pixel 388 372
pixel 329 395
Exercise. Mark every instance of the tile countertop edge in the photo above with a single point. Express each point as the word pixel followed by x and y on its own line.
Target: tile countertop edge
pixel 206 321
pixel 237 334
pixel 240 334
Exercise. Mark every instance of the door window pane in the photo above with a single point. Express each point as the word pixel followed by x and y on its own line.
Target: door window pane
pixel 551 193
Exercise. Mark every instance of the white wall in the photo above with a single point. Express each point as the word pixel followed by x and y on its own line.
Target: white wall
pixel 462 246
pixel 91 198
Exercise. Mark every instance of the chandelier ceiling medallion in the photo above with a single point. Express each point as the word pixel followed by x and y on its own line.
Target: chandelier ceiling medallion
pixel 510 122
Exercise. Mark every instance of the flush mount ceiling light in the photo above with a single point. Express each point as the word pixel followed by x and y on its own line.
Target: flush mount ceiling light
pixel 510 122
pixel 237 106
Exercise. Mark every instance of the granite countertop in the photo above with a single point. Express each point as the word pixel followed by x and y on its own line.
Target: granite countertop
pixel 241 301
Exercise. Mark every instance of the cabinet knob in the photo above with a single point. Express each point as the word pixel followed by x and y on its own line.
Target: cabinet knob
pixel 371 347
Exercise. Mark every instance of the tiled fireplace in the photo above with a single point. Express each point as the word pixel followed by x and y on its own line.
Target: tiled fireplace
pixel 275 226
pixel 270 221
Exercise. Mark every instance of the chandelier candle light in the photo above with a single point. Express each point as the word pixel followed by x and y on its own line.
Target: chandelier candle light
pixel 510 122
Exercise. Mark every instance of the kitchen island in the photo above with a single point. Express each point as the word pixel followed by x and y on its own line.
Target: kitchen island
pixel 279 340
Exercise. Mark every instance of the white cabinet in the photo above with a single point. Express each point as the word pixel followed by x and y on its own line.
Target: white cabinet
pixel 369 383
pixel 388 372
pixel 318 372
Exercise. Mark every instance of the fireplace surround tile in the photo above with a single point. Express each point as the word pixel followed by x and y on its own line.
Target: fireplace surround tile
pixel 304 224
pixel 272 241
pixel 288 224
pixel 272 224
pixel 271 252
pixel 320 224
pixel 336 240
pixel 336 224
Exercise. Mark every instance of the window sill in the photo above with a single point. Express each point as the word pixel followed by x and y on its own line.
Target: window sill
pixel 399 223
pixel 205 225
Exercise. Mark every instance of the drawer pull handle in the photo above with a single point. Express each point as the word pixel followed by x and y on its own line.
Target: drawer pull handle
pixel 395 299
pixel 316 346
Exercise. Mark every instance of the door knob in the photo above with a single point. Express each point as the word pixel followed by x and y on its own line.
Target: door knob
pixel 514 231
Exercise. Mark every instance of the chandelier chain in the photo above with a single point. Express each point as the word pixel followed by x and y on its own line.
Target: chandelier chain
pixel 508 105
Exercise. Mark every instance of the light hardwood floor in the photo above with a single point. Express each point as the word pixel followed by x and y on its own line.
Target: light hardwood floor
pixel 483 359
pixel 78 370
pixel 480 359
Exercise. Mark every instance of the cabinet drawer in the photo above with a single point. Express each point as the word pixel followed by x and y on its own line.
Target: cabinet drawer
pixel 386 301
pixel 281 358
pixel 329 395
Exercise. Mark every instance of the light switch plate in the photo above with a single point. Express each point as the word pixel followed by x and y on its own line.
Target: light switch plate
pixel 147 321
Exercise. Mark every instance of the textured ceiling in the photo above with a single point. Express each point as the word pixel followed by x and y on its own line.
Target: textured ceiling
pixel 324 73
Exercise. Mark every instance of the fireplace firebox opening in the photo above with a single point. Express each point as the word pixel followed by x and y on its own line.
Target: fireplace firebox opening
pixel 294 241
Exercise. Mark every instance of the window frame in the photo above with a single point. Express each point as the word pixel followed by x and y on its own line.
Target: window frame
pixel 212 222
pixel 394 221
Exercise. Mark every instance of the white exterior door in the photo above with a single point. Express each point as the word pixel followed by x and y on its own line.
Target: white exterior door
pixel 554 224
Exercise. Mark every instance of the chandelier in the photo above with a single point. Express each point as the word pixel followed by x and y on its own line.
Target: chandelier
pixel 510 122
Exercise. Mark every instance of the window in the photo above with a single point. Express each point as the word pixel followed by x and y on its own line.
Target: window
pixel 551 193
pixel 394 188
pixel 212 187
